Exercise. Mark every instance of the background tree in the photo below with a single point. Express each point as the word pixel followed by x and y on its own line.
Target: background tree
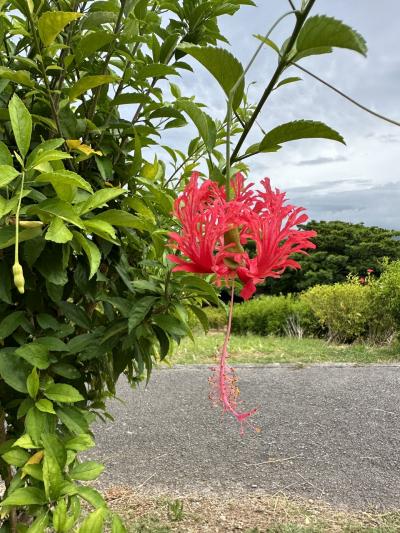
pixel 342 248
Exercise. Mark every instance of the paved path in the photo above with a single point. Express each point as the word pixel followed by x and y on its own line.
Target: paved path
pixel 328 432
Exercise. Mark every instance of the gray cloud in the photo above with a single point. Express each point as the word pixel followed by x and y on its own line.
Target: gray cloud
pixel 322 160
pixel 374 205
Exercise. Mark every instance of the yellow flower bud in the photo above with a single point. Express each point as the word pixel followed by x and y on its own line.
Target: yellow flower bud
pixel 19 280
pixel 30 223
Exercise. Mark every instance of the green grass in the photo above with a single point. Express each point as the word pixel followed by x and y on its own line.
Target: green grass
pixel 262 350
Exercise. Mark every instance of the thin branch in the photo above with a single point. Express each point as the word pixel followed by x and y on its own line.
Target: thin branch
pixel 361 106
pixel 292 4
pixel 301 17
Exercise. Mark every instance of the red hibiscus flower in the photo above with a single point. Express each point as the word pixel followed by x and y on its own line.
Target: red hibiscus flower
pixel 212 240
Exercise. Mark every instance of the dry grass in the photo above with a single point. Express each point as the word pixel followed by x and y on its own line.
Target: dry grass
pixel 146 512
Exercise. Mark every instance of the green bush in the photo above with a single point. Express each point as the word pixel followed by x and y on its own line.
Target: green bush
pixel 274 315
pixel 217 317
pixel 352 311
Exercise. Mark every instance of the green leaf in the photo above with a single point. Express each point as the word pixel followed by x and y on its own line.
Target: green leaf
pixel 292 79
pixel 16 457
pixel 321 33
pixel 63 393
pixel 14 371
pixel 93 523
pixel 37 423
pixel 86 471
pixel 98 199
pixel 66 370
pixel 75 314
pixel 202 317
pixel 55 457
pixel 73 419
pixel 53 344
pixel 52 23
pixel 20 77
pixel 268 42
pixel 92 496
pixel 64 178
pixel 156 70
pixel 102 229
pixel 90 43
pixel 139 311
pixel 86 83
pixel 10 323
pixel 40 524
pixel 35 354
pixel 25 442
pixel 299 129
pixel 225 68
pixel 171 325
pixel 117 217
pixel 7 175
pixel 5 155
pixel 117 525
pixel 80 443
pixel 32 383
pixel 21 123
pixel 59 208
pixel 202 286
pixel 92 252
pixel 45 406
pixel 7 235
pixel 48 155
pixel 25 496
pixel 58 232
pixel 204 123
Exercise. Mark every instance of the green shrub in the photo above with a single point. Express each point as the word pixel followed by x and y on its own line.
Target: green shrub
pixel 217 317
pixel 344 309
pixel 274 315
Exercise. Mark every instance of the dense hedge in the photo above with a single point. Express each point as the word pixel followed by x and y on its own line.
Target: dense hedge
pixel 359 309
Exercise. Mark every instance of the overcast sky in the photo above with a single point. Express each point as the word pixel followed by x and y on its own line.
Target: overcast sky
pixel 359 182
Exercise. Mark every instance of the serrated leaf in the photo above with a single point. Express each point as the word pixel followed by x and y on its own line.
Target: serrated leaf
pixel 320 34
pixel 92 252
pixel 98 199
pixel 299 129
pixel 86 471
pixel 139 311
pixel 90 43
pixel 73 419
pixel 14 371
pixel 117 217
pixel 25 496
pixel 92 496
pixel 88 82
pixel 63 393
pixel 32 383
pixel 21 77
pixel 204 124
pixel 155 70
pixel 52 23
pixel 10 323
pixel 59 208
pixel 5 155
pixel 93 523
pixel 7 175
pixel 225 68
pixel 292 79
pixel 80 443
pixel 35 354
pixel 45 406
pixel 16 457
pixel 58 232
pixel 21 123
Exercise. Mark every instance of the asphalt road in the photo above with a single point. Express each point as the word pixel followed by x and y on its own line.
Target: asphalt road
pixel 327 432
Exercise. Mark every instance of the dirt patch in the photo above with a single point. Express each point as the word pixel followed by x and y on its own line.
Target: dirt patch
pixel 158 512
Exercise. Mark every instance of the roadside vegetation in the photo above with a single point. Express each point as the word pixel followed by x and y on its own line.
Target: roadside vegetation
pixel 254 513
